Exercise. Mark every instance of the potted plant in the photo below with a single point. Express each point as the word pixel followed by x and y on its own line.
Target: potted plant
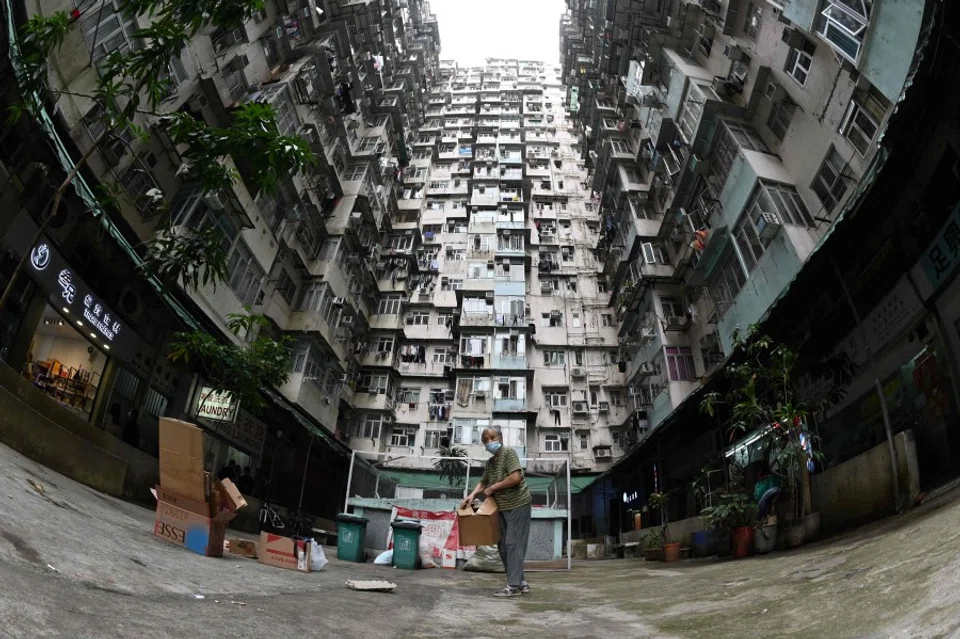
pixel 653 545
pixel 658 501
pixel 763 398
pixel 732 515
pixel 703 541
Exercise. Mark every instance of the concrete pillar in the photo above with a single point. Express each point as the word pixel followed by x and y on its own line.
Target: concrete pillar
pixel 23 341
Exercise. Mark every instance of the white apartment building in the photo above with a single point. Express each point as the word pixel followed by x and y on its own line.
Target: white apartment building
pixel 491 308
pixel 724 150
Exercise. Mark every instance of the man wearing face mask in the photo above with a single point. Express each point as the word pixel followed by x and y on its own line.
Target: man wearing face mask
pixel 503 481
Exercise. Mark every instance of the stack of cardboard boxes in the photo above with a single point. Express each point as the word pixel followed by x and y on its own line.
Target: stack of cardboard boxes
pixel 193 507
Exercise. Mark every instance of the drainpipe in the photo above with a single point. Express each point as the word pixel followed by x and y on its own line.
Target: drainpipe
pixel 871 361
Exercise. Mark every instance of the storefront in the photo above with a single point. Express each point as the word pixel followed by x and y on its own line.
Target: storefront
pixel 76 333
pixel 237 435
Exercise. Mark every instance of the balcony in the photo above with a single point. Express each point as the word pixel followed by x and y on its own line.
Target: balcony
pixel 485 196
pixel 479 284
pixel 474 318
pixel 511 195
pixel 475 362
pixel 511 221
pixel 510 362
pixel 511 247
pixel 509 405
pixel 365 400
pixel 511 175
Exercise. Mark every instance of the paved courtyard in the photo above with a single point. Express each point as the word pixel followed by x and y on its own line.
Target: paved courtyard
pixel 74 563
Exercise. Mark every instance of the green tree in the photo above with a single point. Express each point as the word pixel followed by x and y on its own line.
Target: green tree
pixel 764 394
pixel 238 369
pixel 452 466
pixel 135 83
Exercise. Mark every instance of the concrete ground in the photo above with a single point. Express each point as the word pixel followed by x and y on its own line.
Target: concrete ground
pixel 74 563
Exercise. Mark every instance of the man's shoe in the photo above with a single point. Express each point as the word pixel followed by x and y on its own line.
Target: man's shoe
pixel 524 589
pixel 508 591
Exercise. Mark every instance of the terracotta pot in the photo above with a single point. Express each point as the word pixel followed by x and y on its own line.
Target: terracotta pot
pixel 743 541
pixel 794 536
pixel 671 552
pixel 637 521
pixel 811 524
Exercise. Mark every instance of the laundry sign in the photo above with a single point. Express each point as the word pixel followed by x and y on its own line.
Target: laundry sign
pixel 216 406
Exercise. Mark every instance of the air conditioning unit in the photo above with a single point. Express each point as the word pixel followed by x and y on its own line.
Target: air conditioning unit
pixel 793 38
pixel 645 370
pixel 237 63
pixel 604 407
pixel 347 320
pixel 338 301
pixel 213 201
pixel 480 394
pixel 546 287
pixel 581 407
pixel 577 372
pixel 768 225
pixel 602 452
pixel 113 152
pixel 733 52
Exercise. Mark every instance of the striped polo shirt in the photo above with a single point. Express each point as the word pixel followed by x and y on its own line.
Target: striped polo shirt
pixel 498 468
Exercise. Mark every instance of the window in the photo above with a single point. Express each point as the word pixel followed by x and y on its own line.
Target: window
pixel 572 286
pixel 754 16
pixel 551 320
pixel 433 438
pixel 408 396
pixel 783 201
pixel 368 427
pixel 749 242
pixel 862 120
pixel 444 319
pixel 107 29
pixel 829 184
pixel 389 305
pixel 653 253
pixel 799 61
pixel 384 345
pixel 680 364
pixel 843 24
pixel 616 398
pixel 176 74
pixel 354 173
pixel 418 319
pixel 136 182
pixel 244 274
pixel 271 52
pixel 403 436
pixel 583 441
pixel 781 113
pixel 286 286
pixel 601 286
pixel 727 280
pixel 575 320
pixel 553 358
pixel 236 84
pixel 620 146
pixel 440 356
pixel 554 444
pixel 671 306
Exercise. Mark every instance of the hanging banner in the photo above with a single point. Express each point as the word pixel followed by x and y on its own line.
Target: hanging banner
pixel 439 537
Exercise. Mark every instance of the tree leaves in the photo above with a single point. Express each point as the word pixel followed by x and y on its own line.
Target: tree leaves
pixel 239 369
pixel 453 470
pixel 191 257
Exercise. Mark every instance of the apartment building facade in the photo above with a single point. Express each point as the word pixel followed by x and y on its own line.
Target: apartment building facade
pixel 490 311
pixel 724 139
pixel 349 78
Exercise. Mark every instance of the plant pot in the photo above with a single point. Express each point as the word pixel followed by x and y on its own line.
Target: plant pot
pixel 723 544
pixel 794 536
pixel 703 543
pixel 637 521
pixel 742 540
pixel 653 554
pixel 811 524
pixel 765 539
pixel 671 552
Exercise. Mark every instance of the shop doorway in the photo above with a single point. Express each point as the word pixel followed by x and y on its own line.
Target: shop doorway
pixel 64 363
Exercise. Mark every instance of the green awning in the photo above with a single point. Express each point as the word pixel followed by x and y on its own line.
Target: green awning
pixel 432 481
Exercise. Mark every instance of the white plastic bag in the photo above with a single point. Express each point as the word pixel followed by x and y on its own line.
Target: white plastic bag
pixel 318 559
pixel 486 559
pixel 385 558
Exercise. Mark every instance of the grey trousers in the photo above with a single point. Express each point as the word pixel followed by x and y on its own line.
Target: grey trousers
pixel 514 535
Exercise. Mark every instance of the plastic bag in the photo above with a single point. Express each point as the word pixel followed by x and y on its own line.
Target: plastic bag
pixel 318 559
pixel 426 561
pixel 385 558
pixel 486 559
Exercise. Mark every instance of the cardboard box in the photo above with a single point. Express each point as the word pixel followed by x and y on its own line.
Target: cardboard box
pixel 181 460
pixel 243 547
pixel 229 498
pixel 190 530
pixel 480 527
pixel 202 508
pixel 284 552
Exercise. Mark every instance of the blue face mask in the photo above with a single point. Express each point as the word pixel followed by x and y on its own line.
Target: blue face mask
pixel 493 447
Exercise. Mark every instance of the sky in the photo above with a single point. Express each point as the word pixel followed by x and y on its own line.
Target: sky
pixel 473 30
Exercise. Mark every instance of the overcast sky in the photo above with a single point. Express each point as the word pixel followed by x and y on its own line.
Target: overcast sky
pixel 473 30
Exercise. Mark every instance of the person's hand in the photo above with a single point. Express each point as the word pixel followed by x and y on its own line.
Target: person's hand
pixel 487 493
pixel 467 500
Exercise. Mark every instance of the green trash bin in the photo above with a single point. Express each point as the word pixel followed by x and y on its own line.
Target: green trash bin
pixel 351 537
pixel 406 544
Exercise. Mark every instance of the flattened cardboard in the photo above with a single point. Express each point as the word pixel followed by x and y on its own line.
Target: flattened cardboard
pixel 480 528
pixel 230 498
pixel 284 552
pixel 181 459
pixel 243 547
pixel 189 530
